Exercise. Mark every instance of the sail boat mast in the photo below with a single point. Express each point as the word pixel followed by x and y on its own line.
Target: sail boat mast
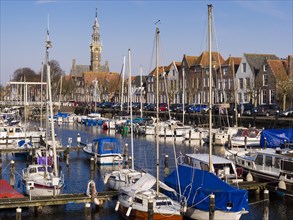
pixel 210 7
pixel 48 46
pixel 130 103
pixel 122 87
pixel 157 109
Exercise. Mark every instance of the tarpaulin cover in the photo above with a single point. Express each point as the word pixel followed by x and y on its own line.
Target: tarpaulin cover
pixel 6 191
pixel 196 186
pixel 106 145
pixel 276 137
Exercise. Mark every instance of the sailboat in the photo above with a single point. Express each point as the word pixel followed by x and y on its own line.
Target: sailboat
pixel 140 200
pixel 44 179
pixel 125 176
pixel 199 183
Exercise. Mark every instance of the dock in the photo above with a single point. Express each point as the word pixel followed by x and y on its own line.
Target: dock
pixel 251 186
pixel 61 199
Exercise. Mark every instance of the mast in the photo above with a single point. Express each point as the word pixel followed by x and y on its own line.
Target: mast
pixel 122 87
pixel 210 7
pixel 130 100
pixel 48 46
pixel 183 95
pixel 235 103
pixel 157 109
pixel 140 91
pixel 60 92
pixel 41 112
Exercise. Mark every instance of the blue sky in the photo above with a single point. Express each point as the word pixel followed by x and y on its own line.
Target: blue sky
pixel 240 27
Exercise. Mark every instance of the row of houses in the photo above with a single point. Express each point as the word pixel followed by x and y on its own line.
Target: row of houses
pixel 254 78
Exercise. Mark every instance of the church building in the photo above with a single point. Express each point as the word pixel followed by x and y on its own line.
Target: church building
pixel 94 82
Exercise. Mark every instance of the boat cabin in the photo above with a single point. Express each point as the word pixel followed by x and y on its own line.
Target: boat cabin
pixel 269 160
pixel 223 168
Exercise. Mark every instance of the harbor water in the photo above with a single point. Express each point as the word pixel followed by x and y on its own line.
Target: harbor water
pixel 77 175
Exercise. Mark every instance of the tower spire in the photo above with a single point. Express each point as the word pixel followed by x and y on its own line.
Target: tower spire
pixel 96 46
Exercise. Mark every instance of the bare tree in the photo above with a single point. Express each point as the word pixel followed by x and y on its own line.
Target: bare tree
pixel 25 74
pixel 284 88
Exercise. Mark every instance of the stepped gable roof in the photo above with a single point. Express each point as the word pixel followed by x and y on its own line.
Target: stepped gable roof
pixel 256 61
pixel 161 70
pixel 191 60
pixel 78 70
pixel 203 59
pixel 231 60
pixel 101 77
pixel 279 67
pixel 136 80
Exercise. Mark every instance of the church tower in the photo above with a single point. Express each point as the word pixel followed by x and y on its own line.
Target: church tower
pixel 96 47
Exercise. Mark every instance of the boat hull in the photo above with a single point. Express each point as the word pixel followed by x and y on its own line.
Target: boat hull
pixel 144 215
pixel 41 190
pixel 219 215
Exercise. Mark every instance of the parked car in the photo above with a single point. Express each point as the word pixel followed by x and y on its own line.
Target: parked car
pixel 267 110
pixel 175 107
pixel 136 105
pixel 288 112
pixel 150 107
pixel 163 107
pixel 106 105
pixel 116 105
pixel 180 108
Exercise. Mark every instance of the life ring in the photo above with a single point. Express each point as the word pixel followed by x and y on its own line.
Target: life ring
pixel 89 192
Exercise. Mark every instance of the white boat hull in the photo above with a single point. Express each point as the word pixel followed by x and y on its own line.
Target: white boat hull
pixel 219 215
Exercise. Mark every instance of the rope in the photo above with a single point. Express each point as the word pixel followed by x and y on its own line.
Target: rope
pixel 5 168
pixel 200 201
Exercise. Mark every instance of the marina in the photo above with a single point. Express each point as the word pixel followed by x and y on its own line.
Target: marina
pixel 78 174
pixel 207 138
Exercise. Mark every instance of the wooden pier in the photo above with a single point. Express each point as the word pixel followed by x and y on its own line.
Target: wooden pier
pixel 61 199
pixel 251 186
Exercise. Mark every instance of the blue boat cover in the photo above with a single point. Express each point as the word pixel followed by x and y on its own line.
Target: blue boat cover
pixel 196 186
pixel 106 145
pixel 276 137
pixel 61 114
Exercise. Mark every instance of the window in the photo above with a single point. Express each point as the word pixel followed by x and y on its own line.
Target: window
pixel 220 84
pixel 259 160
pixel 273 97
pixel 226 83
pixel 241 86
pixel 264 96
pixel 138 200
pixel 206 82
pixel 245 97
pixel 277 162
pixel 244 67
pixel 269 161
pixel 265 79
pixel 240 97
pixel 225 71
pixel 265 68
pixel 248 83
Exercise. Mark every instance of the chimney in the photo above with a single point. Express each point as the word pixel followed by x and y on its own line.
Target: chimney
pixel 290 70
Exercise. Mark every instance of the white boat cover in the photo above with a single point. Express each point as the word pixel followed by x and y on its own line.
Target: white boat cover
pixel 146 182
